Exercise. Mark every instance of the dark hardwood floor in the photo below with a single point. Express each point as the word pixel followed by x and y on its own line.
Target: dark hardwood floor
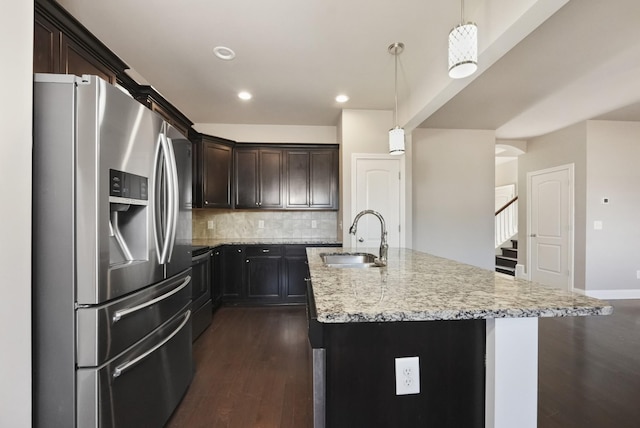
pixel 589 370
pixel 253 369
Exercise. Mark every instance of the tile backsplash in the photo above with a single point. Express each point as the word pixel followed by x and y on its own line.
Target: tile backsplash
pixel 230 224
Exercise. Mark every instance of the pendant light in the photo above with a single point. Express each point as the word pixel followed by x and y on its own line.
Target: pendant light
pixel 396 134
pixel 463 48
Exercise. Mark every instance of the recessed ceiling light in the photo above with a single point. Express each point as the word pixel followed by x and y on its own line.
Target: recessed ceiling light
pixel 244 95
pixel 224 53
pixel 342 98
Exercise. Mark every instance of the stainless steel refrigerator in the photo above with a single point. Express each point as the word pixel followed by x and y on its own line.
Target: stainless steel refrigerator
pixel 111 258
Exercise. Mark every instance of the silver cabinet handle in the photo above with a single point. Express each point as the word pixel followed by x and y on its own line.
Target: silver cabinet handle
pixel 533 235
pixel 125 366
pixel 124 312
pixel 246 261
pixel 265 250
pixel 239 251
pixel 360 239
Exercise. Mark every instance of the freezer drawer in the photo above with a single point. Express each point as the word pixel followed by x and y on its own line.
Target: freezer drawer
pixel 141 387
pixel 105 331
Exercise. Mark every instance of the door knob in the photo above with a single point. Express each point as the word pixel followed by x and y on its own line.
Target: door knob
pixel 360 239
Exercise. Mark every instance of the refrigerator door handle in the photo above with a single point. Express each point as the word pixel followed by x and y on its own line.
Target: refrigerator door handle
pixel 159 214
pixel 129 364
pixel 173 200
pixel 124 312
pixel 167 174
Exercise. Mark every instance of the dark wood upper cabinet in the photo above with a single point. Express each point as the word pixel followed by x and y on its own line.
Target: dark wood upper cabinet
pixel 76 60
pixel 312 178
pixel 46 46
pixel 62 45
pixel 214 173
pixel 258 174
pixel 271 172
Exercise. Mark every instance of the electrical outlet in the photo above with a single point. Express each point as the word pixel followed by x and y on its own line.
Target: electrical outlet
pixel 638 274
pixel 210 224
pixel 407 375
pixel 260 224
pixel 314 224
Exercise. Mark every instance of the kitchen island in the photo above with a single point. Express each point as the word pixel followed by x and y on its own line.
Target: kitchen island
pixel 474 331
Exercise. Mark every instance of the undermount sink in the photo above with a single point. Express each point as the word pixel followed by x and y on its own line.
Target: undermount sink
pixel 354 260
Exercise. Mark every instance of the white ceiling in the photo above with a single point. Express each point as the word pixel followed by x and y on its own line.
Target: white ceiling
pixel 296 56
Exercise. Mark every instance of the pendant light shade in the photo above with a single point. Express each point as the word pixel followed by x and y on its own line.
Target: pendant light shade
pixel 463 48
pixel 396 141
pixel 396 134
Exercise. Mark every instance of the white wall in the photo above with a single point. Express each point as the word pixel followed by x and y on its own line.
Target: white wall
pixel 507 173
pixel 362 131
pixel 562 147
pixel 453 194
pixel 271 133
pixel 613 253
pixel 16 20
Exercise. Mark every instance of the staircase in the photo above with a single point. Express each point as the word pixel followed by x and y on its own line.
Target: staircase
pixel 506 262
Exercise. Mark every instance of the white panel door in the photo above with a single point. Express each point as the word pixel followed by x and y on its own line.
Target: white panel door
pixel 550 218
pixel 377 188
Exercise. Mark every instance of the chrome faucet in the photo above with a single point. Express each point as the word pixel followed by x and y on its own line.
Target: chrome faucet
pixel 384 246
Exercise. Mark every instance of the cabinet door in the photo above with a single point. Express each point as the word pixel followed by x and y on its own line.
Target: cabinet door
pixel 270 182
pixel 263 277
pixel 46 46
pixel 179 125
pixel 76 60
pixel 297 178
pixel 323 179
pixel 296 273
pixel 246 178
pixel 232 278
pixel 216 277
pixel 263 270
pixel 216 174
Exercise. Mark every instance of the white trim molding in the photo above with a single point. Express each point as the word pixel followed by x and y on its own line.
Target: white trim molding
pixel 612 294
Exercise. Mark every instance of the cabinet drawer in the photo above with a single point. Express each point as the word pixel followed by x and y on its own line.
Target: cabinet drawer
pixel 263 250
pixel 296 250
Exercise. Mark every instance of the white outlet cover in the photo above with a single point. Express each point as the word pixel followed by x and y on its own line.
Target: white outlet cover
pixel 407 375
pixel 210 224
pixel 260 224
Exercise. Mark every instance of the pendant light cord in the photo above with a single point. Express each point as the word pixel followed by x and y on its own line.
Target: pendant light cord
pixel 396 88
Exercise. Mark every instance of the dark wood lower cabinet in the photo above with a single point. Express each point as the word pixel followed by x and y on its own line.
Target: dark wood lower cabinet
pixel 296 273
pixel 261 274
pixel 230 275
pixel 360 377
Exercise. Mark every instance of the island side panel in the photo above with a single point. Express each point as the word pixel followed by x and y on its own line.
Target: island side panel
pixel 512 373
pixel 360 374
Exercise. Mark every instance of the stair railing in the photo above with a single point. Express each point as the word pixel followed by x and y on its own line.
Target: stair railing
pixel 506 223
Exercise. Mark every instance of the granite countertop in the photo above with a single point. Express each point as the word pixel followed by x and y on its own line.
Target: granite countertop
pixel 416 286
pixel 261 241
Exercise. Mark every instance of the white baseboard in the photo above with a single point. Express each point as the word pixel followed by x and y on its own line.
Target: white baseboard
pixel 520 272
pixel 611 294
